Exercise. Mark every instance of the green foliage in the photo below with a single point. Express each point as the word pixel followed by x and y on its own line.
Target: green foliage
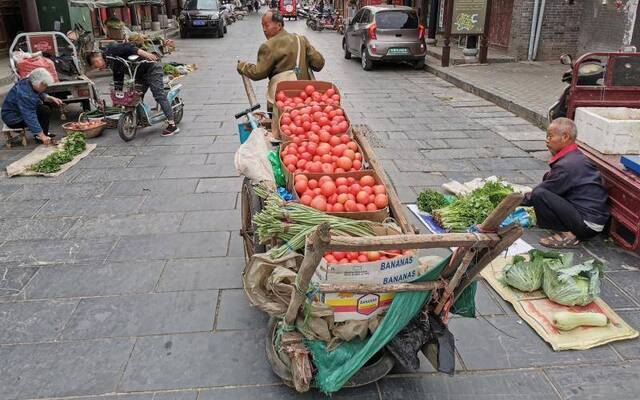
pixel 74 144
pixel 429 200
pixel 473 208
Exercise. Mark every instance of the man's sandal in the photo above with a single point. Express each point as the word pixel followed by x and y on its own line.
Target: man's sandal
pixel 562 243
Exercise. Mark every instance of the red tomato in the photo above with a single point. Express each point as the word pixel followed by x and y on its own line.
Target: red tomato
pixel 329 207
pixel 350 206
pixel 323 148
pixel 342 198
pixel 328 188
pixel 306 156
pixel 326 158
pixel 351 180
pixel 361 207
pixel 367 180
pixel 349 153
pixel 343 126
pixel 339 254
pixel 372 255
pixel 379 189
pixel 317 191
pixel 316 166
pixel 301 163
pixel 330 92
pixel 309 89
pixel 381 201
pixel 339 170
pixel 362 197
pixel 300 186
pixel 363 258
pixel 290 159
pixel 352 255
pixel 306 199
pixel 334 141
pixel 319 203
pixel 338 149
pixel 345 163
pixel 343 189
pixel 338 207
pixel 312 184
pixel 345 138
pixel 327 168
pixel 355 188
pixel 332 199
pixel 353 146
pixel 330 259
pixel 341 181
pixel 325 136
pixel 356 165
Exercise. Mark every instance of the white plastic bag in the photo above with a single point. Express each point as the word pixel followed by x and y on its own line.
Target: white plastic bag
pixel 251 159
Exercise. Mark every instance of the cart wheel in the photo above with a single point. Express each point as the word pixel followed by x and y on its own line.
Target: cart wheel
pixel 127 126
pixel 377 368
pixel 251 204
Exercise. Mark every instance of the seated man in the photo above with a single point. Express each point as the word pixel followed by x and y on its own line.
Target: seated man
pixel 24 108
pixel 571 199
pixel 149 75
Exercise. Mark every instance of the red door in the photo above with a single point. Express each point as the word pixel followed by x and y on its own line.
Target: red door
pixel 500 27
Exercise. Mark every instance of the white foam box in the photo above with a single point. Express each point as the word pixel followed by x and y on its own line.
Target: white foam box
pixel 358 306
pixel 609 130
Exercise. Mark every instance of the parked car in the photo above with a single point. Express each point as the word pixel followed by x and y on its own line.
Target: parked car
pixel 202 16
pixel 385 33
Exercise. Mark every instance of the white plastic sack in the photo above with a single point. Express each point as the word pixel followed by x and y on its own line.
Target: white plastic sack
pixel 251 159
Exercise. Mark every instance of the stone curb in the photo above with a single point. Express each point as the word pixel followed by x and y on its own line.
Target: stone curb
pixel 521 110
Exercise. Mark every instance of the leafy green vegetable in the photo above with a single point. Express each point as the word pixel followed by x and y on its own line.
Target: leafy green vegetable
pixel 114 23
pixel 429 200
pixel 73 145
pixel 473 208
pixel 526 275
pixel 576 285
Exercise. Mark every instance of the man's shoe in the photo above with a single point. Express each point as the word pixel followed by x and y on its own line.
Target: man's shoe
pixel 170 130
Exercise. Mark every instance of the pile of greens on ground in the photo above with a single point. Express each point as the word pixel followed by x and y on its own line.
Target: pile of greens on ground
pixel 561 281
pixel 429 200
pixel 73 145
pixel 473 208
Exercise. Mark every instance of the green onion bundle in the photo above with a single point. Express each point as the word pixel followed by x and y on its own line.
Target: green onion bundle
pixel 293 222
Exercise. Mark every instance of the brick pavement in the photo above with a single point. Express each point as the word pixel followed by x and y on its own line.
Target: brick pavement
pixel 527 89
pixel 121 278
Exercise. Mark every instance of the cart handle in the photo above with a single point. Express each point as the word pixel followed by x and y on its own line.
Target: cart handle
pixel 247 111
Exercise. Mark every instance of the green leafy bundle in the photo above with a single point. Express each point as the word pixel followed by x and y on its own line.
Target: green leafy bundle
pixel 429 200
pixel 73 145
pixel 473 208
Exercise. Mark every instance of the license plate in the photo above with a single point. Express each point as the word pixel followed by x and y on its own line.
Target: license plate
pixel 199 23
pixel 396 51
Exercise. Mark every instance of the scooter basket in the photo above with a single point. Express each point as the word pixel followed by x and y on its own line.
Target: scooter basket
pixel 126 98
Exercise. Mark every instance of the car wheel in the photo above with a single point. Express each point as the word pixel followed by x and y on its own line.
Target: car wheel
pixel 367 64
pixel 347 54
pixel 419 64
pixel 220 33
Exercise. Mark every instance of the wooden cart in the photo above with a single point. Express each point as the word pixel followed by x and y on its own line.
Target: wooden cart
pixel 473 252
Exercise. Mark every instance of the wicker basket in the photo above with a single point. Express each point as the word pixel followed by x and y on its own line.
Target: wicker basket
pixel 88 133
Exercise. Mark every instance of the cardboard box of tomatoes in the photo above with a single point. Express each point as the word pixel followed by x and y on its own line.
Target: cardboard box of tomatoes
pixel 316 123
pixel 355 195
pixel 289 95
pixel 379 267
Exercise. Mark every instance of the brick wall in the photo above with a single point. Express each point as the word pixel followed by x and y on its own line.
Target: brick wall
pixel 604 26
pixel 560 29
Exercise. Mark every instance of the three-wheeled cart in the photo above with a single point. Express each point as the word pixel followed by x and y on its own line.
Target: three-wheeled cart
pixel 286 351
pixel 75 86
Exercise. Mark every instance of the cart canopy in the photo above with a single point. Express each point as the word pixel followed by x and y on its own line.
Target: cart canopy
pixel 98 3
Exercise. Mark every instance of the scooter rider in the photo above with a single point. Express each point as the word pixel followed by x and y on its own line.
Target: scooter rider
pixel 149 75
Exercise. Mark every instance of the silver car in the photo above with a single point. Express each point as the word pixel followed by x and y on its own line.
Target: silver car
pixel 385 33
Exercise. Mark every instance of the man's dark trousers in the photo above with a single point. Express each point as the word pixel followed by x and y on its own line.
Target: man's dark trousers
pixel 152 79
pixel 555 213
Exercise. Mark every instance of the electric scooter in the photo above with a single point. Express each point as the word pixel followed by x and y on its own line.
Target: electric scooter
pixel 136 113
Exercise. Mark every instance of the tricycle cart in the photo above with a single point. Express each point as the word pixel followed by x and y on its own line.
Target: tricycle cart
pixel 77 88
pixel 440 287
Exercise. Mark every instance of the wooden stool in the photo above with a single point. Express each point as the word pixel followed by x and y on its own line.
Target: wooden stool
pixel 21 133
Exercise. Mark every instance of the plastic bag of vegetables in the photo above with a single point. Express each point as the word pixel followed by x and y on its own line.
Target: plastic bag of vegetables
pixel 576 285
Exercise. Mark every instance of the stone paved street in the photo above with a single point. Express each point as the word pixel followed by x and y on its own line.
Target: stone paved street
pixel 120 279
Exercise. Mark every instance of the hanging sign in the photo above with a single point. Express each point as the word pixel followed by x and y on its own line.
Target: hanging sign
pixel 468 17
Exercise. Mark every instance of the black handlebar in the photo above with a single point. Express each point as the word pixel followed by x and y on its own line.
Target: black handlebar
pixel 247 111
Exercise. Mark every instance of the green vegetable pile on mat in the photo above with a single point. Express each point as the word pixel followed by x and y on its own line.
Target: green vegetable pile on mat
pixel 293 222
pixel 73 144
pixel 473 208
pixel 429 200
pixel 527 275
pixel 576 285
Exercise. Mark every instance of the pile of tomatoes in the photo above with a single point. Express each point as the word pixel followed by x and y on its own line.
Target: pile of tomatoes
pixel 342 194
pixel 354 257
pixel 322 157
pixel 83 126
pixel 315 123
pixel 308 97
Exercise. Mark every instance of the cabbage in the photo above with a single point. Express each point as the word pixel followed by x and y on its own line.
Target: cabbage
pixel 527 275
pixel 576 285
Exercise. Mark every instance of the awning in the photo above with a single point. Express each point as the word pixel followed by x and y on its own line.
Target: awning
pixel 146 2
pixel 98 3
